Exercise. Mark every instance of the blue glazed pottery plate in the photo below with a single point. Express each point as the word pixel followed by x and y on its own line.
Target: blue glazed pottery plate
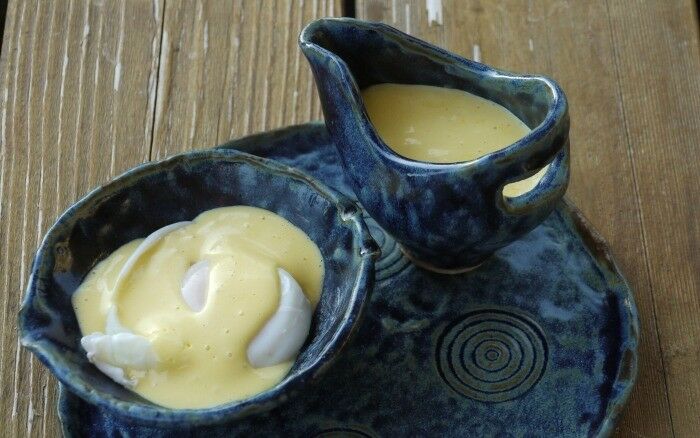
pixel 541 340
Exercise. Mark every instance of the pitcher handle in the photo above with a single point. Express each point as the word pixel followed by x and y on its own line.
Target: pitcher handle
pixel 549 188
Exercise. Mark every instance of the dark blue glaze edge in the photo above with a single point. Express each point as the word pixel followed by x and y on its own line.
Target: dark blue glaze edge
pixel 627 372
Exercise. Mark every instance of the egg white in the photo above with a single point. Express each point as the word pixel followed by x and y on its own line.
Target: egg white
pixel 284 333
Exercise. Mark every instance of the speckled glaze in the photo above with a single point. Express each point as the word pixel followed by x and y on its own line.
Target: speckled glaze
pixel 539 341
pixel 447 216
pixel 180 188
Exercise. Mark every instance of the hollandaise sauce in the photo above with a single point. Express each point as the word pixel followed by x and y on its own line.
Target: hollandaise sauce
pixel 444 125
pixel 194 316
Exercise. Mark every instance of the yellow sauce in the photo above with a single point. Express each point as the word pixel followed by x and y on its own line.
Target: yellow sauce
pixel 202 355
pixel 444 125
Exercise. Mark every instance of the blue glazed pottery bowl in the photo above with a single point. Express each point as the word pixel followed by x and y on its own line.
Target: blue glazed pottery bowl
pixel 156 194
pixel 446 217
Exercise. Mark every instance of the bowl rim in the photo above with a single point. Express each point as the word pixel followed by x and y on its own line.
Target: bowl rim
pixel 349 213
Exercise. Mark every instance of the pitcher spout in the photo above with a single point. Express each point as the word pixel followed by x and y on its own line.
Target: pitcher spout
pixel 331 53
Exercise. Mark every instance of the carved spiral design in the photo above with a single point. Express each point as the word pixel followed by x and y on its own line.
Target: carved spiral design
pixel 492 355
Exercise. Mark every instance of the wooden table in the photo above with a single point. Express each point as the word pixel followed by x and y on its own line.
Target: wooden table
pixel 90 89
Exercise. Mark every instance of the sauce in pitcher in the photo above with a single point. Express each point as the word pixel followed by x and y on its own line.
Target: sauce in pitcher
pixel 444 125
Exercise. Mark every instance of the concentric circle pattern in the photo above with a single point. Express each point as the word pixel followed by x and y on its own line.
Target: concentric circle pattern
pixel 392 261
pixel 492 355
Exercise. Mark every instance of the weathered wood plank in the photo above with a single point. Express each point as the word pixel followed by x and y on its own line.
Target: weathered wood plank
pixel 232 70
pixel 657 62
pixel 78 88
pixel 592 55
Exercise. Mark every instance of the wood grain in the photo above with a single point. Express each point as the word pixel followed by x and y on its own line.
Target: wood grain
pixel 233 70
pixel 631 71
pixel 77 102
pixel 658 68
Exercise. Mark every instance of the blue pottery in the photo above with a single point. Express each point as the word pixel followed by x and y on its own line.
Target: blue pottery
pixel 447 217
pixel 540 341
pixel 160 193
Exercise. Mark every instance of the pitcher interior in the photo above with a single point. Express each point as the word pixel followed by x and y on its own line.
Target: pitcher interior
pixel 376 53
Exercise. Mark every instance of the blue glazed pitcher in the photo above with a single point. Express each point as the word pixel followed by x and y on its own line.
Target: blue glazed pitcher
pixel 446 217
